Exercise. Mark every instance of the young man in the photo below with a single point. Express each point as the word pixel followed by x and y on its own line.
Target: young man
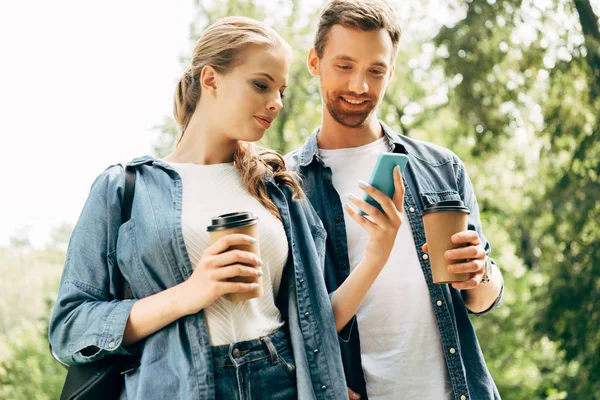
pixel 416 340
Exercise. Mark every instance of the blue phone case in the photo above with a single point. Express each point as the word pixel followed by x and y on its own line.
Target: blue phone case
pixel 382 177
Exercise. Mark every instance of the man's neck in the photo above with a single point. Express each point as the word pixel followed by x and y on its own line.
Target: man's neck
pixel 334 135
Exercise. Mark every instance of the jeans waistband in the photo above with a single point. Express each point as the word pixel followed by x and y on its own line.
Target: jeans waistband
pixel 236 354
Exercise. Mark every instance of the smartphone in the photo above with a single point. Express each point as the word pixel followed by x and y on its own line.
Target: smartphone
pixel 382 177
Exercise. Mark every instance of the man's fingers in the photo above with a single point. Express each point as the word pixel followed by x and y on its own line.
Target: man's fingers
pixel 470 237
pixel 464 253
pixel 472 283
pixel 353 395
pixel 474 266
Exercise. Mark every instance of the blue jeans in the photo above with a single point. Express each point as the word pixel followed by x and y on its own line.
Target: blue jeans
pixel 256 369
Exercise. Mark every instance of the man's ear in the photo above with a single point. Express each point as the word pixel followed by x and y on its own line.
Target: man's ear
pixel 313 62
pixel 392 70
pixel 208 80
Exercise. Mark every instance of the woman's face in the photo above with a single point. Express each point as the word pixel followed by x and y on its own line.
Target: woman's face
pixel 249 96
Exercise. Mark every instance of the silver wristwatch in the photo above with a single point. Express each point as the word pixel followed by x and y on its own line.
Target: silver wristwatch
pixel 487 273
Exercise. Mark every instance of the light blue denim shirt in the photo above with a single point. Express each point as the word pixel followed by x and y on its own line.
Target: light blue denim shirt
pixel 87 322
pixel 433 174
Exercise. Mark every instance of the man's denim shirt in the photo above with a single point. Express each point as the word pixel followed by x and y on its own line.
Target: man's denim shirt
pixel 176 362
pixel 433 174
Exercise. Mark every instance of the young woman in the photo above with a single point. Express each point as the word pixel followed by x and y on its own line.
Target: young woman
pixel 192 342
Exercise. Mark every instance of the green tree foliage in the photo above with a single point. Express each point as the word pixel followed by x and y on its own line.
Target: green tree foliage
pixel 511 86
pixel 27 370
pixel 540 89
pixel 29 286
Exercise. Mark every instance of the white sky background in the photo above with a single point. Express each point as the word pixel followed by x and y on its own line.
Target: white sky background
pixel 83 83
pixel 81 86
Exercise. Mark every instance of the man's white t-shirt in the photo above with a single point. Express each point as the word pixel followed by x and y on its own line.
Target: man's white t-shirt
pixel 401 348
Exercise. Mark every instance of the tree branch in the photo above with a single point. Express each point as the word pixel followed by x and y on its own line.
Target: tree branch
pixel 591 34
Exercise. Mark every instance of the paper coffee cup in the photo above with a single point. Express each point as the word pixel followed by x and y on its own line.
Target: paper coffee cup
pixel 442 220
pixel 239 222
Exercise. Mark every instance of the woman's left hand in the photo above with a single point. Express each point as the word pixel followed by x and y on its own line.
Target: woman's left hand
pixel 381 226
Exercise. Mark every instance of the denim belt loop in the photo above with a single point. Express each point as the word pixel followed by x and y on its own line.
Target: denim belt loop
pixel 271 348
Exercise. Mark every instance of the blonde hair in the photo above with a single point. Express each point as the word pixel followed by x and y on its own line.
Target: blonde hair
pixel 222 46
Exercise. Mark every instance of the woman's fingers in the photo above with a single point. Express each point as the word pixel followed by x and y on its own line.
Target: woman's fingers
pixel 233 257
pixel 235 287
pixel 399 189
pixel 389 208
pixel 227 241
pixel 230 271
pixel 373 212
pixel 361 220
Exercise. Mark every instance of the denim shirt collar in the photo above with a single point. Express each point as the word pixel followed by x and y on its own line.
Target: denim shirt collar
pixel 310 150
pixel 160 163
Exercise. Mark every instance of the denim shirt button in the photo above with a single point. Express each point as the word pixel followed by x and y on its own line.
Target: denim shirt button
pixel 463 397
pixel 301 280
pixel 324 387
pixel 111 345
pixel 425 257
pixel 439 303
pixel 306 314
pixel 235 353
pixel 452 350
pixel 344 267
pixel 412 209
pixel 338 220
pixel 316 350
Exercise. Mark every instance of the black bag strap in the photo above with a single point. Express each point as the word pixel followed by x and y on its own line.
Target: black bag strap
pixel 129 192
pixel 126 216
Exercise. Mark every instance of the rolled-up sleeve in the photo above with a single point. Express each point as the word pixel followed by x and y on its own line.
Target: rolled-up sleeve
pixel 494 305
pixel 87 321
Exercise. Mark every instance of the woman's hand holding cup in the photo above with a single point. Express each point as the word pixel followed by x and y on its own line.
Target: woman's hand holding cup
pixel 218 264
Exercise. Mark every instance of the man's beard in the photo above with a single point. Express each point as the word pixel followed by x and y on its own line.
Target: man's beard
pixel 349 119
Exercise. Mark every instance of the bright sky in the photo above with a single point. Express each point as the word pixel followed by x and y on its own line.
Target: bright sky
pixel 81 86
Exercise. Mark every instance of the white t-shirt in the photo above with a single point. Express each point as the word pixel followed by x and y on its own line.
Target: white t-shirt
pixel 212 190
pixel 401 347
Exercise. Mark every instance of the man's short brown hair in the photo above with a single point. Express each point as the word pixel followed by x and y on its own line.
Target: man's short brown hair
pixel 367 15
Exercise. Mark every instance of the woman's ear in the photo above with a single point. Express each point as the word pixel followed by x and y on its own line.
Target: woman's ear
pixel 208 80
pixel 313 62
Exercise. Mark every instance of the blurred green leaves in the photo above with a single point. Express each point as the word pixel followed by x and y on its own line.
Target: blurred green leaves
pixel 511 86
